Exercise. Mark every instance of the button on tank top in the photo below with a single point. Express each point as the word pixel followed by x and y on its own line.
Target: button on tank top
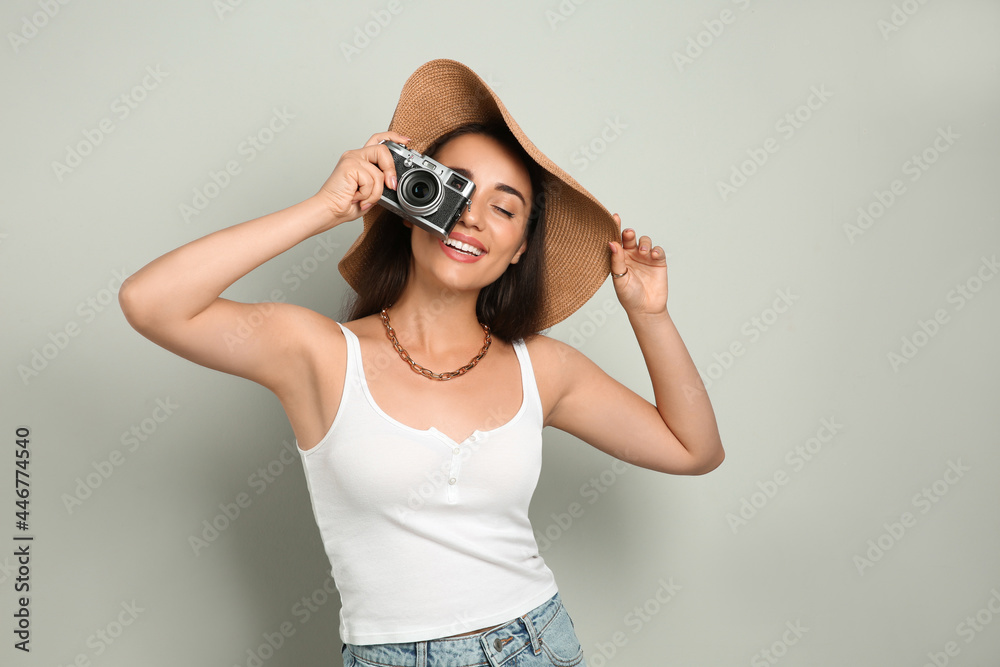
pixel 427 537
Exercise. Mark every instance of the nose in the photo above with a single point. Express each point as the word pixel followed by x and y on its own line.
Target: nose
pixel 471 215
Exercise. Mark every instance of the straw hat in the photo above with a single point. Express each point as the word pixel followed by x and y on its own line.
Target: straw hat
pixel 443 95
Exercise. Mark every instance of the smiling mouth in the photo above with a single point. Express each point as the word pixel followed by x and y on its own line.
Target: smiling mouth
pixel 464 248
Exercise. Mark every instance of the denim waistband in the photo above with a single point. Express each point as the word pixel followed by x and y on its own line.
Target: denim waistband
pixel 498 644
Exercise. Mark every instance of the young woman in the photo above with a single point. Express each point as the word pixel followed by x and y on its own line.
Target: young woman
pixel 419 417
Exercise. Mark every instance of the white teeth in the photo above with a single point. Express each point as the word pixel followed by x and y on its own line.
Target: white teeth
pixel 471 249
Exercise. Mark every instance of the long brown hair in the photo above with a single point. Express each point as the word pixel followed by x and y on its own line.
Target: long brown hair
pixel 511 305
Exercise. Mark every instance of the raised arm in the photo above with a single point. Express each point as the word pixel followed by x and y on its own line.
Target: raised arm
pixel 679 434
pixel 174 300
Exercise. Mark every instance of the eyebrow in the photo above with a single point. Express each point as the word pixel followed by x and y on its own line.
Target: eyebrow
pixel 502 187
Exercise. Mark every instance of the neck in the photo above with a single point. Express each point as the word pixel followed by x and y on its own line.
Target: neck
pixel 436 321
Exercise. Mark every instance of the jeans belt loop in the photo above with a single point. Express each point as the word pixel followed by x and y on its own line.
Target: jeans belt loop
pixel 422 654
pixel 536 644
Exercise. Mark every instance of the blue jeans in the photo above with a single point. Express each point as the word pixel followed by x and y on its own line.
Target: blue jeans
pixel 544 637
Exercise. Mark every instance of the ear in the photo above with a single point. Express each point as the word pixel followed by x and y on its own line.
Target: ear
pixel 520 251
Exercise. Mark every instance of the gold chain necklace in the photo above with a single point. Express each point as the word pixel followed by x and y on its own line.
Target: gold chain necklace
pixel 427 373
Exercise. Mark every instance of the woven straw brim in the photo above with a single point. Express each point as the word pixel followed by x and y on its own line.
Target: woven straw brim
pixel 443 95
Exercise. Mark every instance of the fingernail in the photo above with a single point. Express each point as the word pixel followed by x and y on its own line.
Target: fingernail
pixel 365 207
pixel 614 249
pixel 392 182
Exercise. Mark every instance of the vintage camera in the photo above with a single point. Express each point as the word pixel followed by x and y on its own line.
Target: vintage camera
pixel 427 193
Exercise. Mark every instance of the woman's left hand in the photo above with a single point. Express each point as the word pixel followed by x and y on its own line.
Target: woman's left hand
pixel 643 288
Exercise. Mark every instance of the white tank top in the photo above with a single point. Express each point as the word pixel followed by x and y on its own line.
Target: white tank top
pixel 427 537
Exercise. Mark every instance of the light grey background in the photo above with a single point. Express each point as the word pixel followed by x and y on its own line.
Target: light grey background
pixel 891 78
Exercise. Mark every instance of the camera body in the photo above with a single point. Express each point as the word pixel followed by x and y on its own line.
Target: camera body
pixel 427 193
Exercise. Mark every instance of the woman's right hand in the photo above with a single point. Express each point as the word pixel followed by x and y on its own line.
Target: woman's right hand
pixel 175 300
pixel 357 181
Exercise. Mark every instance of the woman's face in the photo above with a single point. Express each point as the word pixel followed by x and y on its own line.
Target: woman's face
pixel 494 223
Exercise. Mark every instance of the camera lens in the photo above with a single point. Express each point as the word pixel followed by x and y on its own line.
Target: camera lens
pixel 420 192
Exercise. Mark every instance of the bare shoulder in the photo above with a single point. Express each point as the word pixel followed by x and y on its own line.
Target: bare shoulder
pixel 326 343
pixel 551 356
pixel 557 366
pixel 313 330
pixel 307 345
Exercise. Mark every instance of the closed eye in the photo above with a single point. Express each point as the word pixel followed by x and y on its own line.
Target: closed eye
pixel 505 212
